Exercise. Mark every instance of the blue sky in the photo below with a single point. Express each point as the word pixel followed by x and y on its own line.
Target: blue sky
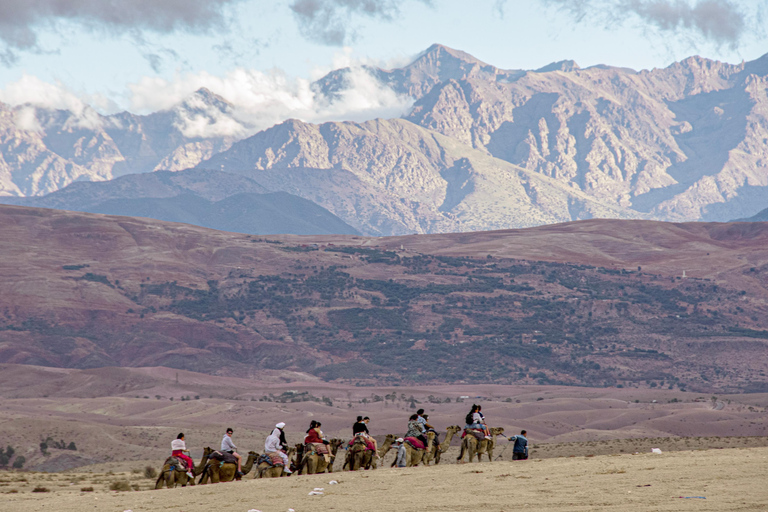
pixel 151 53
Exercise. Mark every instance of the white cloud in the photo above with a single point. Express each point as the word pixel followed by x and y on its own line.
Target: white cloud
pixel 29 91
pixel 254 100
pixel 260 100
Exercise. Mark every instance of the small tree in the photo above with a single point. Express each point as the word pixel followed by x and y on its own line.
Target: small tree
pixel 19 462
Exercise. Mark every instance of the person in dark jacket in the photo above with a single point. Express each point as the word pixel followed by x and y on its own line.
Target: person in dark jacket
pixel 360 428
pixel 520 450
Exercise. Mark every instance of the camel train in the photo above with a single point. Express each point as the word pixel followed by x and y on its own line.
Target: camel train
pixel 316 454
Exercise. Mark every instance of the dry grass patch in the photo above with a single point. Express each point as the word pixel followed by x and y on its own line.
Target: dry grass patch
pixel 120 485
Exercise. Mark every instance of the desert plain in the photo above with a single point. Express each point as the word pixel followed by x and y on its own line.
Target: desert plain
pixel 591 447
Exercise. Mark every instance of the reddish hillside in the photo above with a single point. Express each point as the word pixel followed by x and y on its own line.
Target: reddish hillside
pixel 598 302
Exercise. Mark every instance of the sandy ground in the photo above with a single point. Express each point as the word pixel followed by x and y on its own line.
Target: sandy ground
pixel 732 479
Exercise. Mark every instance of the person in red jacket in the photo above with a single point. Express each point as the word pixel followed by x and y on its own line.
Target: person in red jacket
pixel 314 434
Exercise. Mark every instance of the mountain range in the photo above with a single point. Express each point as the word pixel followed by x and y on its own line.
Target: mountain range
pixel 210 199
pixel 481 148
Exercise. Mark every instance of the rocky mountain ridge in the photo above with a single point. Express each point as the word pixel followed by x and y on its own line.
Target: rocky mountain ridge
pixel 482 147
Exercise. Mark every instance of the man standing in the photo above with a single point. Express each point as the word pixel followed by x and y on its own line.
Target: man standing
pixel 229 447
pixel 276 443
pixel 520 450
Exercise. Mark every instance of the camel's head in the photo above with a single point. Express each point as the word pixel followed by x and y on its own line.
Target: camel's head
pixel 390 438
pixel 253 454
pixel 335 443
pixel 496 431
pixel 453 428
pixel 207 451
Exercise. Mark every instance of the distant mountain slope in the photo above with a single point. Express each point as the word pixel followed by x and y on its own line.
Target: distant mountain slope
pixel 211 199
pixel 44 150
pixel 418 181
pixel 761 216
pixel 256 214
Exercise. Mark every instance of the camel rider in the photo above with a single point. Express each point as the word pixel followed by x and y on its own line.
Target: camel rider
pixel 276 443
pixel 476 421
pixel 229 447
pixel 315 436
pixel 416 429
pixel 482 420
pixel 178 447
pixel 426 427
pixel 360 428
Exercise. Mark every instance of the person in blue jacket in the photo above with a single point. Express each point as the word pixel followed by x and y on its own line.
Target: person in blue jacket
pixel 520 450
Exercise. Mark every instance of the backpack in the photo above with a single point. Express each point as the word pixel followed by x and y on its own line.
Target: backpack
pixel 468 419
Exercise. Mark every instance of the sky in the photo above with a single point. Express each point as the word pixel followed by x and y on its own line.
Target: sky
pixel 147 55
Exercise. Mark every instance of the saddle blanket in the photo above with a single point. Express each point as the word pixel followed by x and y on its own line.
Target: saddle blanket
pixel 223 457
pixel 273 459
pixel 174 463
pixel 319 448
pixel 368 443
pixel 414 442
pixel 479 434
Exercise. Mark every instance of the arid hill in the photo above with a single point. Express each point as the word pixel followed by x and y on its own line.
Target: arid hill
pixel 600 303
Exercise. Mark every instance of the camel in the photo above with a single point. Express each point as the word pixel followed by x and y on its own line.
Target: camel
pixel 218 471
pixel 172 477
pixel 264 470
pixel 311 463
pixel 438 449
pixel 472 447
pixel 359 456
pixel 413 456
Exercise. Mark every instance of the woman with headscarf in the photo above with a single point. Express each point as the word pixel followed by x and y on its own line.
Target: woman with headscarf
pixel 276 443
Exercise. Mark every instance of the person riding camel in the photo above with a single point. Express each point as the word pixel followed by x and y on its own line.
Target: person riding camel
pixel 229 447
pixel 276 443
pixel 416 429
pixel 423 419
pixel 360 428
pixel 476 421
pixel 315 437
pixel 178 447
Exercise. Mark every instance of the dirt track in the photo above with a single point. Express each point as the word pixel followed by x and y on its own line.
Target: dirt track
pixel 728 479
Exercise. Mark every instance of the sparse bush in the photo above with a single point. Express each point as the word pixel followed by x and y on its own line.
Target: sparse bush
pixel 120 485
pixel 136 487
pixel 150 472
pixel 86 489
pixel 41 489
pixel 11 491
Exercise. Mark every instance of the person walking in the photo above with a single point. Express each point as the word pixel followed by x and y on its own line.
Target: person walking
pixel 520 450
